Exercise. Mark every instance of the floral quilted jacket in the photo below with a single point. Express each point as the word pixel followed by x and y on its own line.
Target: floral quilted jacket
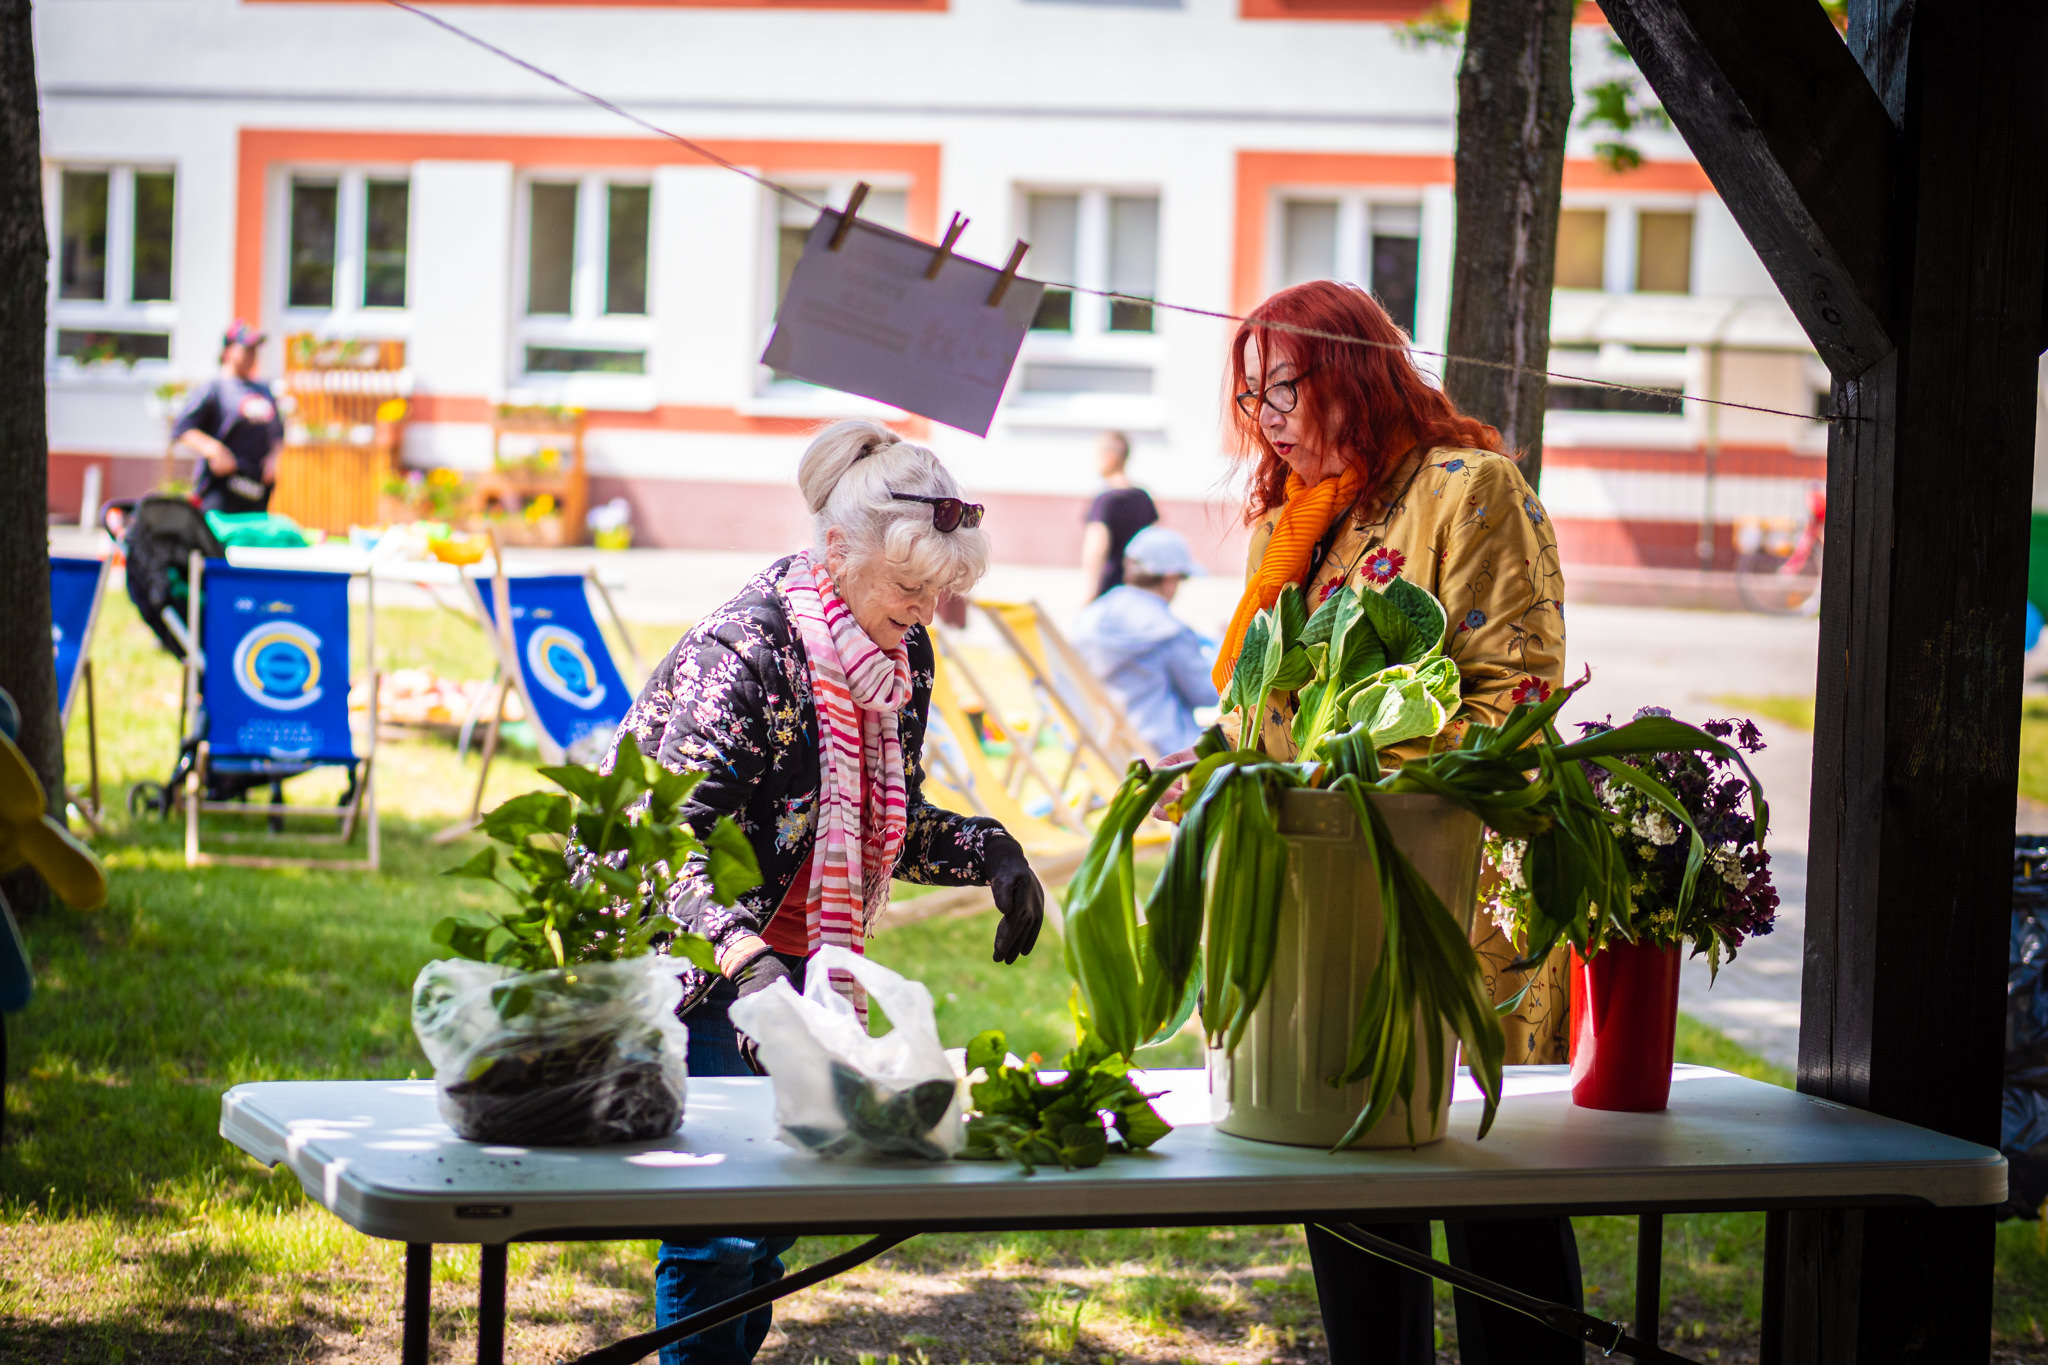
pixel 733 700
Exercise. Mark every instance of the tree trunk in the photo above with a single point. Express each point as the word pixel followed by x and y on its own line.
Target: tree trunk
pixel 1514 108
pixel 27 664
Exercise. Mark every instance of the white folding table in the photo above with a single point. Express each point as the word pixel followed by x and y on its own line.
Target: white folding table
pixel 377 1155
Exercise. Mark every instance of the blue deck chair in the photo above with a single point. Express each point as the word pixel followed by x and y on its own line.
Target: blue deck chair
pixel 557 660
pixel 76 589
pixel 270 688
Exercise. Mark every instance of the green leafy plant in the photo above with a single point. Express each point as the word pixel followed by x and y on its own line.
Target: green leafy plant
pixel 1374 666
pixel 1019 1116
pixel 589 870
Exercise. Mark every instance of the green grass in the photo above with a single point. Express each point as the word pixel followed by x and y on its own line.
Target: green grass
pixel 128 1228
pixel 1795 710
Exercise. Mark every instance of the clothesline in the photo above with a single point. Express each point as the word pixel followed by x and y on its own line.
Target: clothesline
pixel 788 192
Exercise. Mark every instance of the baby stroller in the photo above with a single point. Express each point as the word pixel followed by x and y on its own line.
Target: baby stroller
pixel 158 537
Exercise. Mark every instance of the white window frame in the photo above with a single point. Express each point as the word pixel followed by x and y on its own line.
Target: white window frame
pixel 587 326
pixel 115 312
pixel 794 397
pixel 348 317
pixel 1355 205
pixel 1618 266
pixel 1091 342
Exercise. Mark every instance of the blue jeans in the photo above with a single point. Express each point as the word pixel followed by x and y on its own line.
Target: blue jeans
pixel 695 1274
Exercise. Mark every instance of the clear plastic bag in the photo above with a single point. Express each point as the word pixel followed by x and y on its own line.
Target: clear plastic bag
pixel 839 1091
pixel 571 1057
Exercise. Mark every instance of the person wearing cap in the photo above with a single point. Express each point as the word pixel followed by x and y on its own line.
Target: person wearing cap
pixel 1151 661
pixel 232 428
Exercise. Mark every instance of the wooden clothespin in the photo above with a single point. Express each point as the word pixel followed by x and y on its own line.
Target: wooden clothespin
pixel 958 226
pixel 1002 287
pixel 846 215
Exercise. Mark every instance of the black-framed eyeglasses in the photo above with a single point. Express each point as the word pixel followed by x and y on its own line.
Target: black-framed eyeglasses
pixel 1281 397
pixel 948 514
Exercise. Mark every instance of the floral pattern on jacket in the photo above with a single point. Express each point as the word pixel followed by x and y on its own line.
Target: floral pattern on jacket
pixel 732 700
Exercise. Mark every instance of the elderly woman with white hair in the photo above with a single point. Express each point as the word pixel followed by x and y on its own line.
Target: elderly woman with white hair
pixel 803 702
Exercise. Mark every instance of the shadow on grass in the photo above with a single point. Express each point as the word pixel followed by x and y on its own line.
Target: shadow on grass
pixel 190 1335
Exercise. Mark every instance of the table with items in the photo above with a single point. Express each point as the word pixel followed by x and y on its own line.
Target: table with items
pixel 378 1155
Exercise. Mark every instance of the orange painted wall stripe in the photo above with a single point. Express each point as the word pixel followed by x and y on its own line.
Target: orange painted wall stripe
pixel 262 148
pixel 1260 173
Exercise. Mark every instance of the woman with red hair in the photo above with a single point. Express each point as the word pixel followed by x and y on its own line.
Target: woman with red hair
pixel 1361 472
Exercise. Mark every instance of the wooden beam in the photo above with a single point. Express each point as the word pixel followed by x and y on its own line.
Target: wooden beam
pixel 1918 693
pixel 1798 144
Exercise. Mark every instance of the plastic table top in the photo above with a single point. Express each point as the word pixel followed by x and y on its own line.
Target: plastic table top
pixel 377 1154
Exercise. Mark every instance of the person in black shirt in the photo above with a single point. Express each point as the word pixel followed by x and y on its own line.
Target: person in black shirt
pixel 232 428
pixel 1119 512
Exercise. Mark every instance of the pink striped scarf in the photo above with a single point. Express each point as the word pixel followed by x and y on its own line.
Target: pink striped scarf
pixel 857 823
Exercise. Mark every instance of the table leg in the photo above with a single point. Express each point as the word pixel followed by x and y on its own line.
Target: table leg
pixel 1649 1274
pixel 419 1302
pixel 490 1307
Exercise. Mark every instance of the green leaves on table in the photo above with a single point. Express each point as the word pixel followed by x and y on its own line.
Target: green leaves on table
pixel 588 871
pixel 1019 1116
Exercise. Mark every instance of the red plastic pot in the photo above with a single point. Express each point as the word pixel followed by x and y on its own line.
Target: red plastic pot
pixel 1624 1016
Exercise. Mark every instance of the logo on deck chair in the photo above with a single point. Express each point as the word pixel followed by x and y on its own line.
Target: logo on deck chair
pixel 277 665
pixel 562 665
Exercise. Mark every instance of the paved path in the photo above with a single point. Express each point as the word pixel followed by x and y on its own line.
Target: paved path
pixel 1684 661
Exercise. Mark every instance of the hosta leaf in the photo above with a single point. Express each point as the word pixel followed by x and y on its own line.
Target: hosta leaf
pixel 1421 608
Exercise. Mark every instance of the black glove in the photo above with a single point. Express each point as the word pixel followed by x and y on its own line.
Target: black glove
pixel 758 975
pixel 1018 895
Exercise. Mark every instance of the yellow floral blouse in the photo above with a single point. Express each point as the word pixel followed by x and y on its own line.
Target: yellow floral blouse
pixel 1464 524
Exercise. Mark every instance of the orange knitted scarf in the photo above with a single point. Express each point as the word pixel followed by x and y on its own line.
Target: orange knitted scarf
pixel 1304 517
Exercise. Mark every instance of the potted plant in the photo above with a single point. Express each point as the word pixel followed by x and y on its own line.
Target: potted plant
pixel 1388 854
pixel 554 1023
pixel 1700 879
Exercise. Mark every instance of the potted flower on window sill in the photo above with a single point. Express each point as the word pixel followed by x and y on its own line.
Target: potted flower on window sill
pixel 1699 876
pixel 555 1024
pixel 1321 905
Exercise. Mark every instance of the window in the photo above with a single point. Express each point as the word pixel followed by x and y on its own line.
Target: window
pixel 1052 226
pixel 316 215
pixel 1565 397
pixel 1581 249
pixel 347 243
pixel 1088 353
pixel 1096 240
pixel 1664 252
pixel 386 223
pixel 588 244
pixel 83 273
pixel 112 268
pixel 1368 242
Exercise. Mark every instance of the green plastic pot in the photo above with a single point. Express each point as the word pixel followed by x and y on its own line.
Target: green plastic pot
pixel 1275 1087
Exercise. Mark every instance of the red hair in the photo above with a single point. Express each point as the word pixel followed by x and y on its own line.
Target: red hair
pixel 1370 402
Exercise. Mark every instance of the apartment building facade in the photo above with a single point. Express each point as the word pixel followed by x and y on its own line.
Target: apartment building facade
pixel 348 169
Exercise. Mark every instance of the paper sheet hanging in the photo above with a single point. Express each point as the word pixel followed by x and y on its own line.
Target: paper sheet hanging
pixel 863 318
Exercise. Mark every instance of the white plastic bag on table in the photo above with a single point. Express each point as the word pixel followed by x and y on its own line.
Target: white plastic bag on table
pixel 579 1055
pixel 837 1090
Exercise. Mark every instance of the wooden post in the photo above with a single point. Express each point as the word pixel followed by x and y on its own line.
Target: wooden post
pixel 1897 189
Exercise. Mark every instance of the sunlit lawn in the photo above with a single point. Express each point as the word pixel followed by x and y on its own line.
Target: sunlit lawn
pixel 129 1229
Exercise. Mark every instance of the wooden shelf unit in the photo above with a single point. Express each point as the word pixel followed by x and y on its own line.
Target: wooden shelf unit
pixel 509 490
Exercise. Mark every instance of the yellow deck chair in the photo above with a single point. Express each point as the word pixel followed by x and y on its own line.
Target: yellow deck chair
pixel 1071 702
